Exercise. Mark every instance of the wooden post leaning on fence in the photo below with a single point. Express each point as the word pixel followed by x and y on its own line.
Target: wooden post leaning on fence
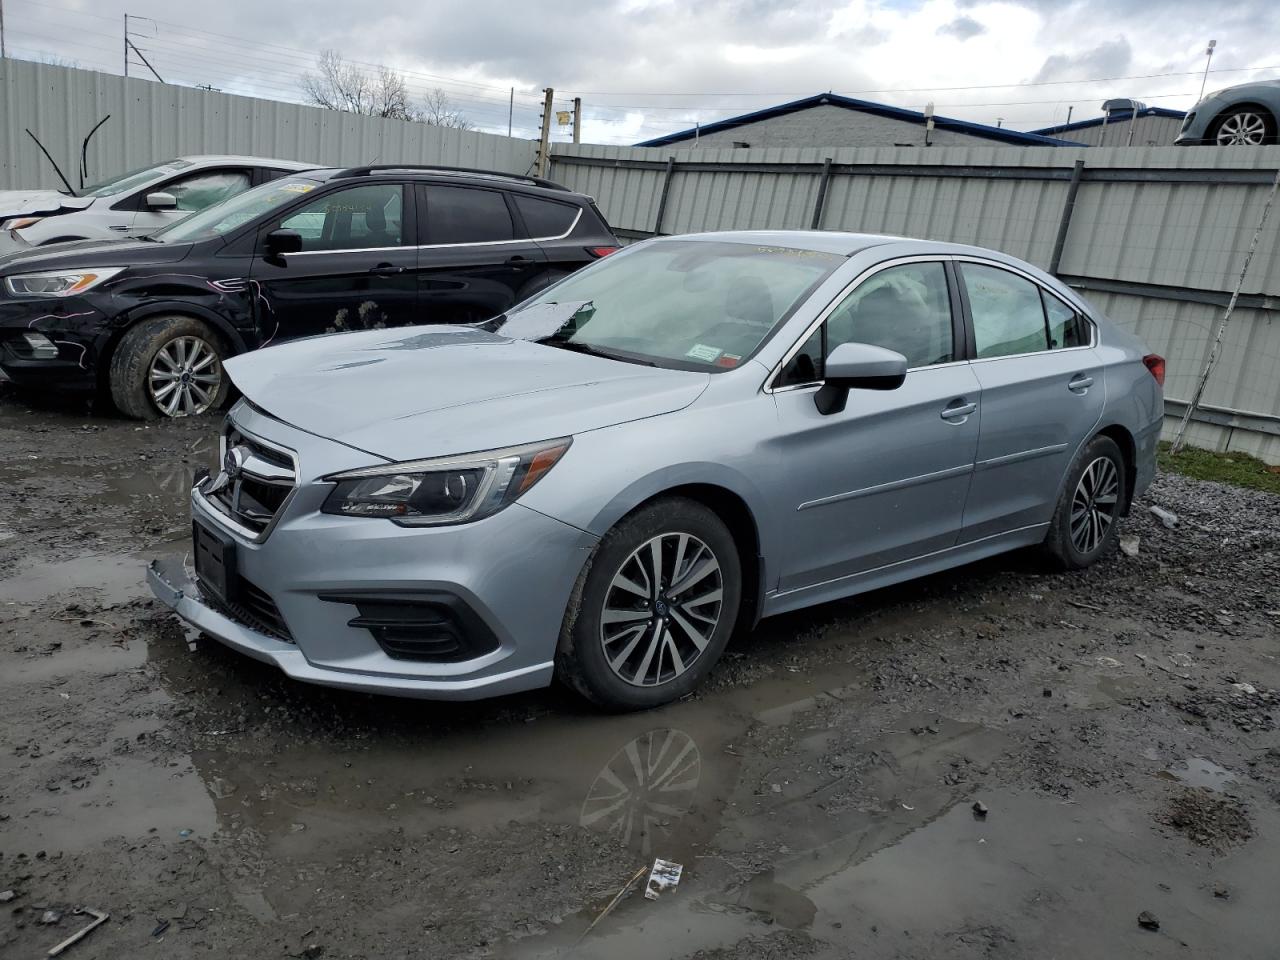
pixel 1180 438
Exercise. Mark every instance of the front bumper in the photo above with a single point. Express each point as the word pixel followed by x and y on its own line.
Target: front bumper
pixel 512 573
pixel 74 325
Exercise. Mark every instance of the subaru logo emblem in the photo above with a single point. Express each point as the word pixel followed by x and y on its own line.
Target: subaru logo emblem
pixel 233 462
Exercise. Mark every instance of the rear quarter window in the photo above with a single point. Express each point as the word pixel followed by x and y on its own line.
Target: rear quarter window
pixel 545 218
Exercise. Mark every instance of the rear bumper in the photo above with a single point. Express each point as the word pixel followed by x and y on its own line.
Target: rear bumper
pixel 171 585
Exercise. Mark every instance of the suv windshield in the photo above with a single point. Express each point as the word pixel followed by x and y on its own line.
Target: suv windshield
pixel 687 304
pixel 134 178
pixel 223 217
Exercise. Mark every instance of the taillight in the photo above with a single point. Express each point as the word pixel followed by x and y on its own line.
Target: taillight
pixel 599 252
pixel 1155 363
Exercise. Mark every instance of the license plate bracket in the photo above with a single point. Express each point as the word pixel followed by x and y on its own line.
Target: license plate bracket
pixel 215 556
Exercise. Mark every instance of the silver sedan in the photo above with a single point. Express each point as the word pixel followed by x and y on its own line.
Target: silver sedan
pixel 685 437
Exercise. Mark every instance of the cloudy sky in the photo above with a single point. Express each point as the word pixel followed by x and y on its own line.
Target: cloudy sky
pixel 647 67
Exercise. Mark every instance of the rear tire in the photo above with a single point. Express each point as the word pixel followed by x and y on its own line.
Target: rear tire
pixel 168 367
pixel 1086 520
pixel 640 632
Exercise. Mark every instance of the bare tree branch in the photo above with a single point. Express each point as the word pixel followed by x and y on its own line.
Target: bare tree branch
pixel 439 111
pixel 338 85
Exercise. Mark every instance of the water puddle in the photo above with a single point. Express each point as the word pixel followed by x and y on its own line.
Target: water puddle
pixel 106 577
pixel 1202 773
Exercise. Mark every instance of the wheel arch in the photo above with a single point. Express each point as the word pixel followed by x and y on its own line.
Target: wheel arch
pixel 1129 450
pixel 733 507
pixel 110 339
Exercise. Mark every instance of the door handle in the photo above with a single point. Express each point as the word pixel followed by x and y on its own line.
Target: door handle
pixel 1080 383
pixel 518 261
pixel 386 270
pixel 958 410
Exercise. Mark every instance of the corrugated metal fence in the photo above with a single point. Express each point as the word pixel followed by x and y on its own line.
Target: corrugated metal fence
pixel 1156 237
pixel 154 121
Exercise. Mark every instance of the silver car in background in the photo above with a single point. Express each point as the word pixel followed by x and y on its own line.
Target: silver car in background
pixel 685 437
pixel 1244 114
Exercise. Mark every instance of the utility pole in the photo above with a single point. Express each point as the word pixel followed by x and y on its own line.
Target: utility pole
pixel 1070 107
pixel 577 119
pixel 544 142
pixel 1208 58
pixel 511 110
pixel 126 45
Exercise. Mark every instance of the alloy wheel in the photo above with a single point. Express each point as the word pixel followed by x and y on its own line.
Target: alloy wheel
pixel 1093 506
pixel 661 609
pixel 184 377
pixel 1246 128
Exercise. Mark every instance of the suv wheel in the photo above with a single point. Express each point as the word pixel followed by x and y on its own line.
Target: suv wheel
pixel 168 367
pixel 1085 522
pixel 653 609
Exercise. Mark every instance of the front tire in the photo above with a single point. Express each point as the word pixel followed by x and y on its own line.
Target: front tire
pixel 1250 126
pixel 168 367
pixel 1085 523
pixel 653 608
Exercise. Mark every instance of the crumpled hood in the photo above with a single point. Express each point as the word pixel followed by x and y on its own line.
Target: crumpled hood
pixel 415 392
pixel 29 203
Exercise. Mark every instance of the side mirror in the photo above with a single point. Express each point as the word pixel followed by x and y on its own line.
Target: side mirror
pixel 161 201
pixel 858 366
pixel 280 242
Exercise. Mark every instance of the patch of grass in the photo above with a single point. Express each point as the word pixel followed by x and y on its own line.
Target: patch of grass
pixel 1238 469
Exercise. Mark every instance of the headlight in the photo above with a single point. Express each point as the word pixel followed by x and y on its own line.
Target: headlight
pixel 58 283
pixel 20 223
pixel 444 490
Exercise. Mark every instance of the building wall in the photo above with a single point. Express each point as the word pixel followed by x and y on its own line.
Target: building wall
pixel 1147 132
pixel 154 121
pixel 828 126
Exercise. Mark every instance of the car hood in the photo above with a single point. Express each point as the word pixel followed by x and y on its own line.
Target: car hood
pixel 92 253
pixel 29 203
pixel 416 392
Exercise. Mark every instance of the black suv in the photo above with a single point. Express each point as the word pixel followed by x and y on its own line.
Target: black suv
pixel 322 251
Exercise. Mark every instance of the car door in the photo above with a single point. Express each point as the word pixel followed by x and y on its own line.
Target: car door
pixel 473 262
pixel 355 270
pixel 1042 395
pixel 885 479
pixel 193 192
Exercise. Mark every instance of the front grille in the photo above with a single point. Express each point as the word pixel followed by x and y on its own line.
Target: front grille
pixel 254 483
pixel 253 608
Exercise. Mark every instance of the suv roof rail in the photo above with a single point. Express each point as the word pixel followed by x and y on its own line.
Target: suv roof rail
pixel 433 168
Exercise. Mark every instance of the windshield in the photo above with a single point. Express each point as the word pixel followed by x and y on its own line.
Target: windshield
pixel 134 178
pixel 687 304
pixel 223 217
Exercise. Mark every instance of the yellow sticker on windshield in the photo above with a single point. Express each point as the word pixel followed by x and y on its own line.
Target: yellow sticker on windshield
pixel 297 187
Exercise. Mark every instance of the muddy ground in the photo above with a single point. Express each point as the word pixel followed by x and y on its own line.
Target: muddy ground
pixel 1118 726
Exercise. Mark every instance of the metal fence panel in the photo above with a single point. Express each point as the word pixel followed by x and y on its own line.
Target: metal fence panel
pixel 153 121
pixel 1163 229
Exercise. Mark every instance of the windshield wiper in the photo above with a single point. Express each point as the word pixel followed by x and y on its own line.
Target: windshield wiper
pixel 587 348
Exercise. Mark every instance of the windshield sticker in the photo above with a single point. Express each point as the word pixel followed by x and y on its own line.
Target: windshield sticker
pixel 728 360
pixel 700 351
pixel 297 187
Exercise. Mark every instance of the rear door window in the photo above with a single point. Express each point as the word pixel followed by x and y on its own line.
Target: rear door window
pixel 545 219
pixel 1008 317
pixel 1067 328
pixel 467 215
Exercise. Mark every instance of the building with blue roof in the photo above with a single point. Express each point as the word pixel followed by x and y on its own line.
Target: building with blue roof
pixel 832 120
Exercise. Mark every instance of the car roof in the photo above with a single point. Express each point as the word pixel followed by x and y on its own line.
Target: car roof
pixel 410 171
pixel 212 158
pixel 819 241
